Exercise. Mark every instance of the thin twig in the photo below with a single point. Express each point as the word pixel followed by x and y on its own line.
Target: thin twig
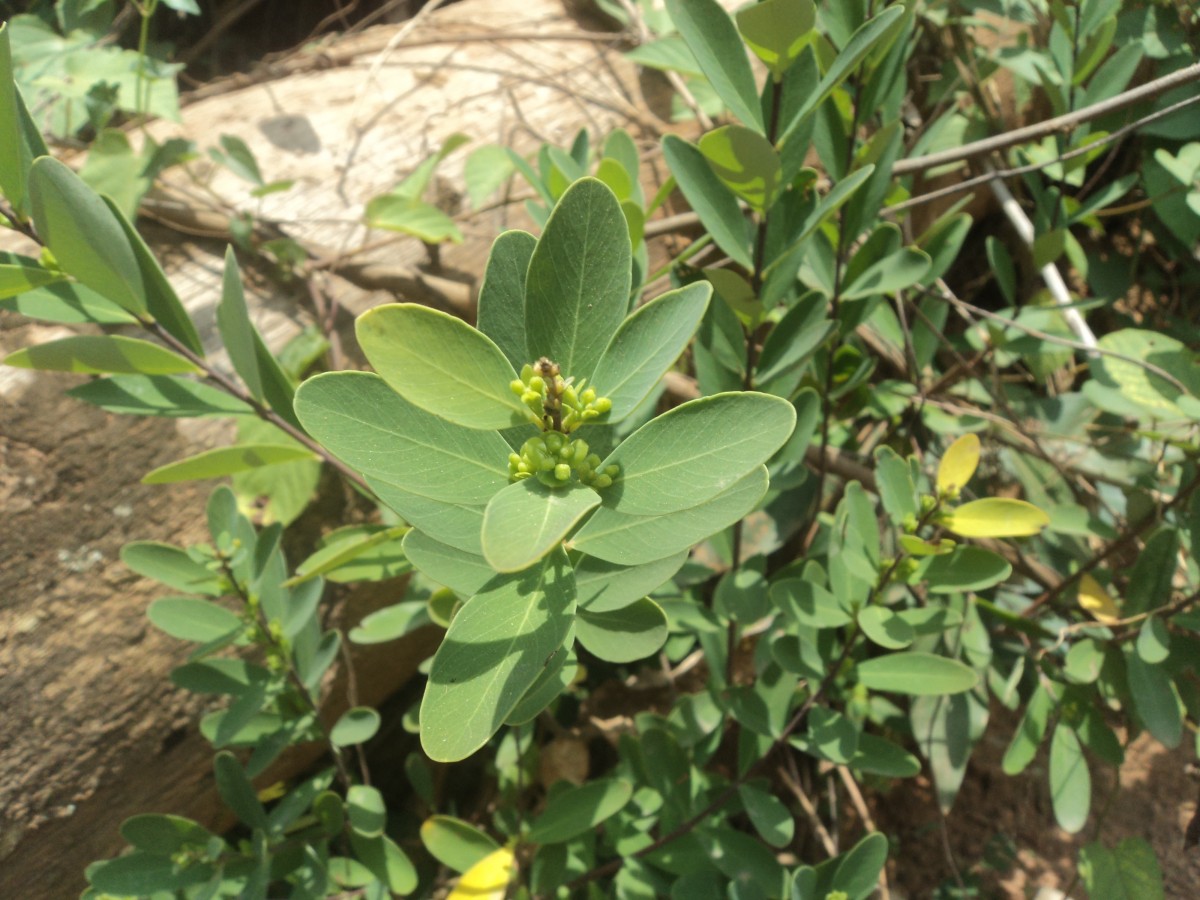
pixel 1050 274
pixel 979 180
pixel 1058 124
pixel 810 811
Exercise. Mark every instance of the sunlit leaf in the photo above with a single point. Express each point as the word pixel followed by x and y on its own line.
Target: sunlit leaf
pixel 958 465
pixel 995 517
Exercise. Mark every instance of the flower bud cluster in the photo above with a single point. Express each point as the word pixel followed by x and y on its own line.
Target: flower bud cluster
pixel 557 404
pixel 552 457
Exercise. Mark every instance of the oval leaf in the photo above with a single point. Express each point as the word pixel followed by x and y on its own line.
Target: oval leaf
pixel 958 465
pixel 356 726
pixel 624 635
pixel 442 365
pixel 1070 782
pixel 193 620
pixel 95 354
pixel 746 162
pixel 577 288
pixel 526 520
pixel 454 843
pixel 995 517
pixel 633 540
pixel 226 461
pixel 578 809
pixel 495 649
pixel 696 451
pixel 777 30
pixel 1097 601
pixel 646 345
pixel 963 569
pixel 917 673
pixel 885 628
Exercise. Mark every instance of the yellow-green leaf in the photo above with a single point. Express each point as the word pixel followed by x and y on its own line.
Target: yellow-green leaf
pixel 226 461
pixel 488 879
pixel 958 465
pixel 996 517
pixel 1096 600
pixel 97 354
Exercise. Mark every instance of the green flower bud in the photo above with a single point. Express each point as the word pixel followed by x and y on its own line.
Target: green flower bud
pixel 593 460
pixel 554 442
pixel 562 472
pixel 537 383
pixel 588 396
pixel 517 386
pixel 514 459
pixel 526 372
pixel 580 451
pixel 612 471
pixel 569 396
pixel 588 414
pixel 601 482
pixel 602 405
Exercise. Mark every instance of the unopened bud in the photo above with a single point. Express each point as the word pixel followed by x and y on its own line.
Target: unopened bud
pixel 536 383
pixel 580 452
pixel 602 405
pixel 593 460
pixel 588 396
pixel 601 481
pixel 562 471
pixel 517 386
pixel 526 373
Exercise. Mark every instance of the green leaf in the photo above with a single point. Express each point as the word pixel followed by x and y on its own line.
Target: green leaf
pixel 143 875
pixel 1130 872
pixel 696 451
pixel 158 395
pixel 577 288
pixel 20 140
pixel 225 461
pixel 18 278
pixel 577 810
pixel 791 344
pixel 996 517
pixel 193 620
pixel 502 295
pixel 1070 783
pixel 1152 393
pixel 916 673
pixel 366 810
pixel 604 586
pixel 713 202
pixel 239 158
pixel 113 170
pixel 456 844
pixel 163 835
pixel 777 30
pixel 714 41
pixel 495 649
pixel 1029 734
pixel 464 573
pixel 411 216
pixel 1154 641
pixel 527 519
pixel 391 622
pixel 84 235
pixel 441 364
pixel 237 791
pixel 632 540
pixel 97 354
pixel 885 628
pixel 386 861
pixel 858 873
pixel 238 332
pixel 437 475
pixel 1155 699
pixel 172 566
pixel 809 604
pixel 356 726
pixel 963 569
pixel 646 345
pixel 623 635
pixel 485 169
pixel 770 818
pixel 896 488
pixel 559 674
pixel 875 32
pixel 878 756
pixel 746 162
pixel 889 275
pixel 67 301
pixel 356 553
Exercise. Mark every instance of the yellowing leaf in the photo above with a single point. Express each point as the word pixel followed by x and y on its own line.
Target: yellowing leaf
pixel 958 465
pixel 915 546
pixel 488 879
pixel 1096 600
pixel 996 517
pixel 272 792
